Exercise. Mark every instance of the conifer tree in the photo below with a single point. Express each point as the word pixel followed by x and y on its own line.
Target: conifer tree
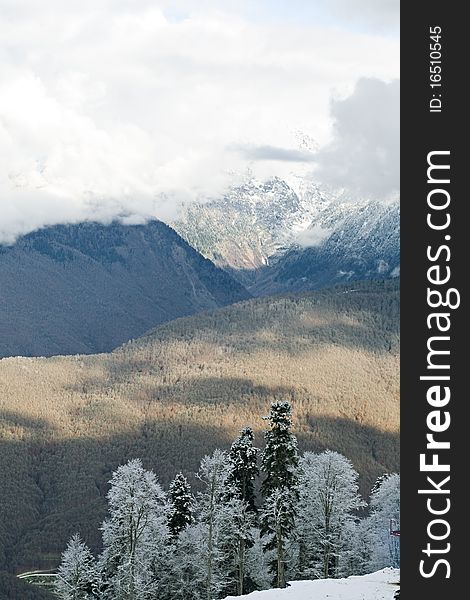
pixel 181 501
pixel 280 458
pixel 243 467
pixel 280 462
pixel 237 534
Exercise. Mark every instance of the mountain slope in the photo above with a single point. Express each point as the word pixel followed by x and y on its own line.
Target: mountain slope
pixel 251 223
pixel 89 287
pixel 184 389
pixel 364 243
pixel 275 239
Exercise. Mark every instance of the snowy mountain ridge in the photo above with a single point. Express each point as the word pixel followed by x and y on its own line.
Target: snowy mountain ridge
pixel 251 223
pixel 279 235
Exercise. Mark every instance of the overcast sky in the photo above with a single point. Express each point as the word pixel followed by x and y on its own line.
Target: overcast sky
pixel 123 108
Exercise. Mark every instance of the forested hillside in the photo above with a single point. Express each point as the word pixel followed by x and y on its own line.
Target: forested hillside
pixel 184 389
pixel 89 287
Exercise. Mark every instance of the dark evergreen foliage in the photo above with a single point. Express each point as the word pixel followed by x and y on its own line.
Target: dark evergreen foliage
pixel 280 458
pixel 280 463
pixel 244 467
pixel 181 501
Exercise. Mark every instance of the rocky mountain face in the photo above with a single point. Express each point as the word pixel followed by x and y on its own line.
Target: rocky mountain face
pixel 89 287
pixel 252 223
pixel 276 237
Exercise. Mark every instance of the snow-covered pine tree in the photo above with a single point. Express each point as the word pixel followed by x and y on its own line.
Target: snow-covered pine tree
pixel 385 506
pixel 240 497
pixel 328 496
pixel 181 504
pixel 136 527
pixel 243 467
pixel 77 575
pixel 280 458
pixel 279 463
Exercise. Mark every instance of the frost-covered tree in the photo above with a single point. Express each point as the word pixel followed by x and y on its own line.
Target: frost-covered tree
pixel 385 507
pixel 181 505
pixel 133 535
pixel 328 498
pixel 240 507
pixel 77 576
pixel 213 474
pixel 243 467
pixel 237 536
pixel 188 564
pixel 279 463
pixel 355 550
pixel 278 523
pixel 257 575
pixel 280 458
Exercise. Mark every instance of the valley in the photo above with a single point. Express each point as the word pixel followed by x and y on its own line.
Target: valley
pixel 182 390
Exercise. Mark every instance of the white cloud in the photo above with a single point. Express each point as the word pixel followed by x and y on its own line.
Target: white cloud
pixel 363 156
pixel 313 236
pixel 112 107
pixel 380 15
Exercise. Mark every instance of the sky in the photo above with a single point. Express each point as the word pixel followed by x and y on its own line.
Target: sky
pixel 127 108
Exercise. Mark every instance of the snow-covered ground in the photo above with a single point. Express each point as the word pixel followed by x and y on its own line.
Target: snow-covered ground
pixel 376 586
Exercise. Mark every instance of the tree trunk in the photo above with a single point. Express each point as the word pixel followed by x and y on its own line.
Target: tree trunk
pixel 281 578
pixel 209 562
pixel 241 565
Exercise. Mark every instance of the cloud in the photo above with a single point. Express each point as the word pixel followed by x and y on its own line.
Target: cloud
pixel 126 109
pixel 383 15
pixel 313 236
pixel 363 156
pixel 273 153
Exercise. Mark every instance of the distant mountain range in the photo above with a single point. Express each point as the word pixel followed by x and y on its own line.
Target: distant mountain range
pixel 90 287
pixel 277 237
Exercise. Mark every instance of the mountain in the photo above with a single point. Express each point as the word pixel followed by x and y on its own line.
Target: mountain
pixel 184 389
pixel 90 287
pixel 253 222
pixel 363 243
pixel 275 237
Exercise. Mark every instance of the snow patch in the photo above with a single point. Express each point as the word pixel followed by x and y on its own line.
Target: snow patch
pixel 380 585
